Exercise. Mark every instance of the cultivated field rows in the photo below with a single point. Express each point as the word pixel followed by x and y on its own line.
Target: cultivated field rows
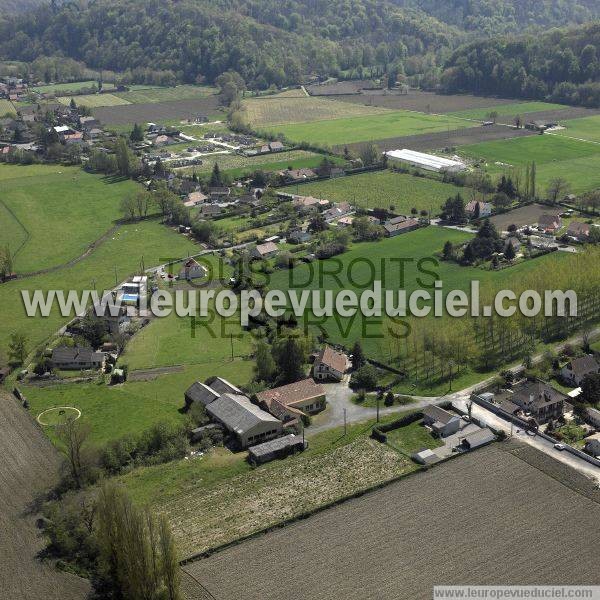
pixel 28 467
pixel 203 519
pixel 485 518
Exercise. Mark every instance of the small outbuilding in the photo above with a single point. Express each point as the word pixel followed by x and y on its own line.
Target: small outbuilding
pixel 278 448
pixel 477 439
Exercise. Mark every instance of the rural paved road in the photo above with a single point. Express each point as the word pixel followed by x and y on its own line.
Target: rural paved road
pixel 536 441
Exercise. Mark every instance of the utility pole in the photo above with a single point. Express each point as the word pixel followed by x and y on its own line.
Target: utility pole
pixel 378 408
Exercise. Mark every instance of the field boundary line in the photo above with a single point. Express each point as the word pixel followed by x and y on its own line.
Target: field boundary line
pixel 91 248
pixel 570 137
pixel 204 591
pixel 27 233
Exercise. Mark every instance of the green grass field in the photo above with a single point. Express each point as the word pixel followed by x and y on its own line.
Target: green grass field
pixel 507 110
pixel 236 166
pixel 584 129
pixel 113 411
pixel 94 100
pixel 65 204
pixel 7 108
pixel 367 128
pixel 382 189
pixel 165 94
pixel 363 263
pixel 555 156
pixel 70 87
pixel 123 253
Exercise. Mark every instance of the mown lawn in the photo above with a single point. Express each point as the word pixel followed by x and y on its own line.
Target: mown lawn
pixel 350 130
pixel 65 204
pixel 506 110
pixel 114 411
pixel 555 156
pixel 412 438
pixel 175 340
pixel 382 189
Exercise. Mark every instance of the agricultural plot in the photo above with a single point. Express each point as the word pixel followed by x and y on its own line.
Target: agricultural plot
pixel 441 140
pixel 522 216
pixel 506 112
pixel 160 112
pixel 166 94
pixel 273 110
pixel 114 411
pixel 30 465
pixel 383 189
pixel 236 164
pixel 587 129
pixel 121 255
pixel 57 88
pixel 45 203
pixel 412 247
pixel 427 102
pixel 555 156
pixel 6 108
pixel 402 538
pixel 350 130
pixel 204 515
pixel 94 100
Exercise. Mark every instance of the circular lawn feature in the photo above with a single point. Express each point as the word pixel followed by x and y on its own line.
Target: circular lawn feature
pixel 59 415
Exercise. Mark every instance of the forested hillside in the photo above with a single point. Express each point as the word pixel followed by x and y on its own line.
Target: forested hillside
pixel 493 17
pixel 266 41
pixel 283 42
pixel 561 65
pixel 15 6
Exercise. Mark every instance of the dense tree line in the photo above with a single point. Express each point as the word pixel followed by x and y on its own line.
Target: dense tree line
pixel 494 17
pixel 266 41
pixel 561 65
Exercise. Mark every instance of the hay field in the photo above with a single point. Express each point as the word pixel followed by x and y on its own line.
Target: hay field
pixel 29 467
pixel 262 112
pixel 479 519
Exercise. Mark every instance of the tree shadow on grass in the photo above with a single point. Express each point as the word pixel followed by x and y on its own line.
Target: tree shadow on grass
pixel 109 179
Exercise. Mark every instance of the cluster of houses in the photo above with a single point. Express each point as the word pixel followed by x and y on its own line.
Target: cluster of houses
pixel 66 124
pixel 13 88
pixel 539 403
pixel 273 414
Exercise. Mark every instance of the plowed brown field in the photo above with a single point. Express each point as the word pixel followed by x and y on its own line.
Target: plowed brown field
pixel 28 467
